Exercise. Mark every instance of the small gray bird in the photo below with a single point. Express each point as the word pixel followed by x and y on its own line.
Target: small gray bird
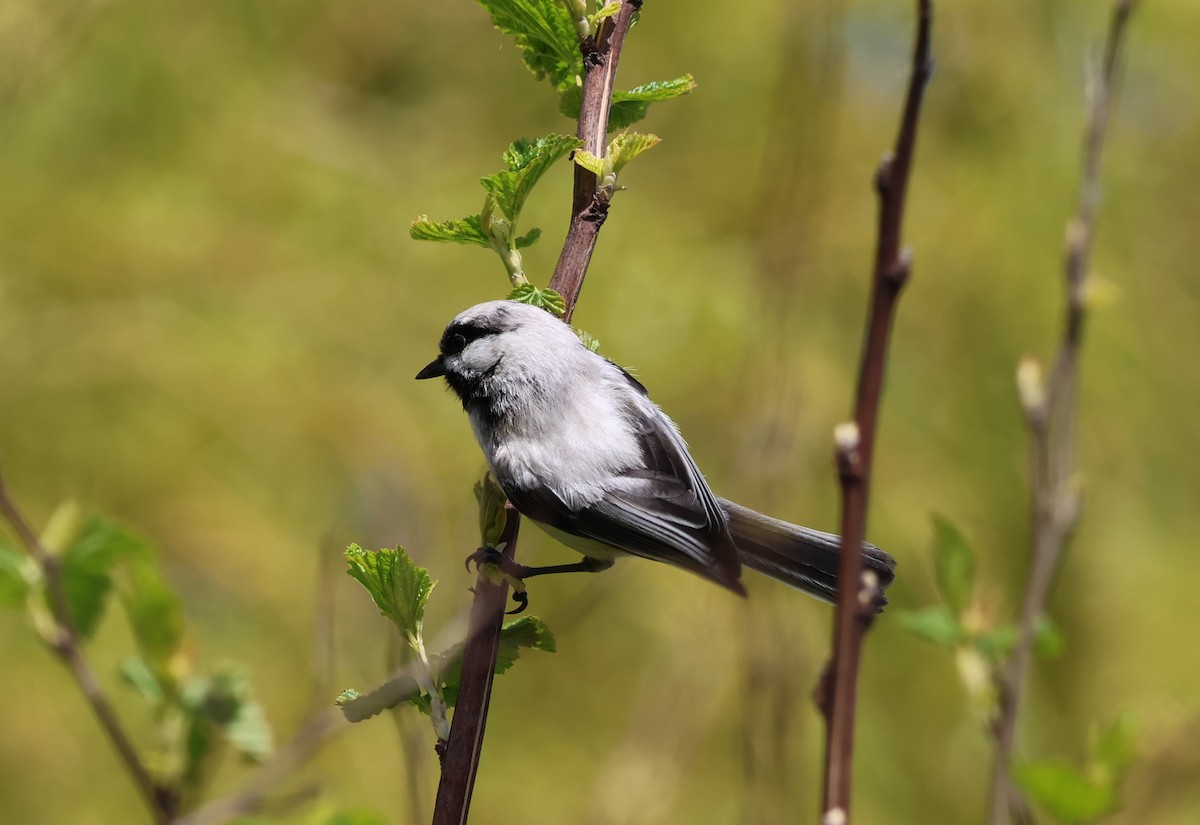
pixel 578 447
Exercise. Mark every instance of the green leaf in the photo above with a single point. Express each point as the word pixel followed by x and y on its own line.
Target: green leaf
pixel 527 632
pixel 225 701
pixel 1116 745
pixel 492 517
pixel 87 567
pixel 630 107
pixel 63 527
pixel 546 299
pixel 525 161
pixel 154 610
pixel 529 238
pixel 627 146
pixel 1047 640
pixel 399 588
pixel 954 565
pixel 627 107
pixel 607 10
pixel 934 624
pixel 469 230
pixel 544 34
pixel 17 571
pixel 346 697
pixel 139 675
pixel 997 643
pixel 589 162
pixel 1063 791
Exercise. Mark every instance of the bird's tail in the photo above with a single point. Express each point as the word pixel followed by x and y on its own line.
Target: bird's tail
pixel 803 558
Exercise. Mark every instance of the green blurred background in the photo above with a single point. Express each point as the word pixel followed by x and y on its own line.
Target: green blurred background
pixel 211 313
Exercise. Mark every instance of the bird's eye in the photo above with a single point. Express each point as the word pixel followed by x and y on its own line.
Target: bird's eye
pixel 454 344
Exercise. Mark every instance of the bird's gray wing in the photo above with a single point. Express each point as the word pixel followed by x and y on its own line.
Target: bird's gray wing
pixel 660 509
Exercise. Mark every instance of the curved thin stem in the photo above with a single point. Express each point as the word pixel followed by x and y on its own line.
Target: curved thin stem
pixel 1051 415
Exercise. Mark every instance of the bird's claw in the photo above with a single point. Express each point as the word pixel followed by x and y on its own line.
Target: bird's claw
pixel 521 599
pixel 502 569
pixel 484 555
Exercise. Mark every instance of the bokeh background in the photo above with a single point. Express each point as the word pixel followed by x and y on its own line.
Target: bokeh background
pixel 211 313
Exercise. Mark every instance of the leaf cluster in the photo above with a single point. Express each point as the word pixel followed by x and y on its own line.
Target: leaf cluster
pixel 197 714
pixel 552 37
pixel 495 227
pixel 958 623
pixel 400 589
pixel 1073 794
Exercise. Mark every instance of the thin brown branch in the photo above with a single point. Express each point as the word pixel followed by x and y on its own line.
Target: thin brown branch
pixel 589 205
pixel 1051 412
pixel 66 644
pixel 858 593
pixel 461 760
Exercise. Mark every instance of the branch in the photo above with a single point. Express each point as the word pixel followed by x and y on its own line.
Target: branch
pixel 254 793
pixel 858 593
pixel 1051 413
pixel 65 642
pixel 589 205
pixel 461 760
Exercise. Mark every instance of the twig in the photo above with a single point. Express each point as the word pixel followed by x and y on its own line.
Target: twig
pixel 856 440
pixel 65 642
pixel 254 793
pixel 461 760
pixel 589 206
pixel 1051 413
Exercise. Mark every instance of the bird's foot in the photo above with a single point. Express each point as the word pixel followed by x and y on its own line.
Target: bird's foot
pixel 497 568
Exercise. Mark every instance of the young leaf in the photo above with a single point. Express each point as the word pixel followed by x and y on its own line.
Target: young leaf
pixel 588 161
pixel 468 230
pixel 627 146
pixel 997 643
pixel 225 701
pixel 627 107
pixel 492 517
pixel 141 677
pixel 87 568
pixel 630 107
pixel 398 587
pixel 526 632
pixel 954 565
pixel 16 572
pixel 346 697
pixel 546 299
pixel 933 624
pixel 154 610
pixel 1063 791
pixel 1116 745
pixel 544 34
pixel 1047 641
pixel 63 527
pixel 526 162
pixel 607 10
pixel 529 238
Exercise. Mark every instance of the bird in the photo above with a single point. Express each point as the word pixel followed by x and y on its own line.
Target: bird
pixel 578 447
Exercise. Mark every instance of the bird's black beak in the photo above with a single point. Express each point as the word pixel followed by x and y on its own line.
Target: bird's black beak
pixel 433 369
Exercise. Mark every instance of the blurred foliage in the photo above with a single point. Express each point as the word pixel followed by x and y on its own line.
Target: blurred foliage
pixel 210 314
